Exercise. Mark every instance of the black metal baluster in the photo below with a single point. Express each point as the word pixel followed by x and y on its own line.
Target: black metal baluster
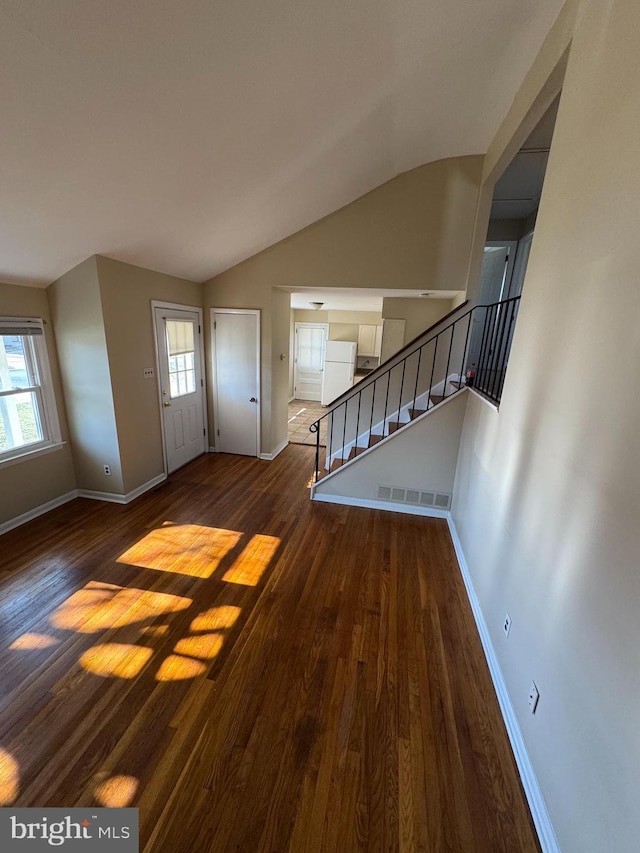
pixel 433 367
pixel 502 322
pixel 373 400
pixel 446 372
pixel 483 341
pixel 466 344
pixel 358 422
pixel 344 429
pixel 415 390
pixel 404 365
pixel 386 400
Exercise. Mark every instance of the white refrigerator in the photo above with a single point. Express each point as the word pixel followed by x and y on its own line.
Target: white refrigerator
pixel 339 369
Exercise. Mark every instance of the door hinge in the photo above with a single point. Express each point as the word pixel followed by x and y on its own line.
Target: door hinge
pixel 215 324
pixel 204 432
pixel 199 330
pixel 202 383
pixel 217 432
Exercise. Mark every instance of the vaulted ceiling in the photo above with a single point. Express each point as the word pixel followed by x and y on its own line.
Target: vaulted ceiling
pixel 186 135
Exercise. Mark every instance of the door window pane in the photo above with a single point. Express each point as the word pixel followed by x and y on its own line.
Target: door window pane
pixel 181 350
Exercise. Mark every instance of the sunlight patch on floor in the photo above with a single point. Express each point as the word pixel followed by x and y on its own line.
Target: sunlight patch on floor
pixel 116 660
pixel 98 607
pixel 254 560
pixel 216 618
pixel 118 792
pixel 33 642
pixel 184 549
pixel 9 778
pixel 179 668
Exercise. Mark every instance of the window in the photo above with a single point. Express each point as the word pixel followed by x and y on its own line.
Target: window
pixel 182 366
pixel 28 418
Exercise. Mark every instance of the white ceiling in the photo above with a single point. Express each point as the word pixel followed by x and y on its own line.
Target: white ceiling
pixel 362 299
pixel 187 135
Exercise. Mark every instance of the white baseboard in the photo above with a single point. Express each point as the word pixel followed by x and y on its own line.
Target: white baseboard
pixel 271 456
pixel 539 812
pixel 213 449
pixel 390 506
pixel 6 526
pixel 114 498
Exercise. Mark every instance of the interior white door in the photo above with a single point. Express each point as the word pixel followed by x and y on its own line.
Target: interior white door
pixel 179 341
pixel 236 361
pixel 309 360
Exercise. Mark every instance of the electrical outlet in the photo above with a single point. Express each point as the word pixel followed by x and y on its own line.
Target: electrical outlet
pixel 506 625
pixel 107 470
pixel 534 695
pixel 148 372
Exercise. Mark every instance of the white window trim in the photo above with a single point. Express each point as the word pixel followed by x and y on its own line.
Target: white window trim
pixel 47 402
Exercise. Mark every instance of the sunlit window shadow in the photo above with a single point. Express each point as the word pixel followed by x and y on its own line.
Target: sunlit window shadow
pixel 118 792
pixel 185 549
pixel 248 569
pixel 9 778
pixel 100 607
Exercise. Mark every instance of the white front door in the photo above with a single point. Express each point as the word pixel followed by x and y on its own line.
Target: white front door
pixel 236 365
pixel 309 360
pixel 180 359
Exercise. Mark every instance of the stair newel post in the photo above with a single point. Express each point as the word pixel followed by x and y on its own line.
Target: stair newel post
pixel 446 372
pixel 386 401
pixel 316 425
pixel 466 344
pixel 415 389
pixel 433 367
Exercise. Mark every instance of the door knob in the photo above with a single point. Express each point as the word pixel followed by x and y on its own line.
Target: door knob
pixel 252 400
pixel 166 405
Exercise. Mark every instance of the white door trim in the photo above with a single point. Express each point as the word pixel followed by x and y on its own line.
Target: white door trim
pixel 175 306
pixel 256 313
pixel 512 247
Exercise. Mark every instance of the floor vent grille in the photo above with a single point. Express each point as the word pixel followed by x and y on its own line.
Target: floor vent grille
pixel 438 500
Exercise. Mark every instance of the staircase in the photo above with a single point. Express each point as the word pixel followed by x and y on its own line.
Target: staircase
pixel 469 351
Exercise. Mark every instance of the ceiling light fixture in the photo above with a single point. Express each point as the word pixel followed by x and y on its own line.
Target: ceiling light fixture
pixel 316 305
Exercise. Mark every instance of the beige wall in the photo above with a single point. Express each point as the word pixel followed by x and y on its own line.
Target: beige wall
pixel 414 231
pixel 418 314
pixel 547 490
pixel 28 484
pixel 76 310
pixel 126 293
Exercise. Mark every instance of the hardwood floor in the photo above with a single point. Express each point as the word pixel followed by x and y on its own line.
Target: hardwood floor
pixel 253 671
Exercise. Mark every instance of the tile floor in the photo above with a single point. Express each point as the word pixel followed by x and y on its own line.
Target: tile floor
pixel 302 413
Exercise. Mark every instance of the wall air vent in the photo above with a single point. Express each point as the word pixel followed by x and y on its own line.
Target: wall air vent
pixel 437 500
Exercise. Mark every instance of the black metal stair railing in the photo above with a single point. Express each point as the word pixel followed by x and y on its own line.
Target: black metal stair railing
pixel 475 347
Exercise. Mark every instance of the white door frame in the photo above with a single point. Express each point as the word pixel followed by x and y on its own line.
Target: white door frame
pixel 175 306
pixel 256 313
pixel 297 326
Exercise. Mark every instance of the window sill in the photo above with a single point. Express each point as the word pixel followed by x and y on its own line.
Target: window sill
pixel 31 454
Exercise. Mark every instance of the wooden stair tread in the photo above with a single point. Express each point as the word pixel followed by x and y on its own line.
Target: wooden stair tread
pixel 436 398
pixel 374 439
pixel 415 413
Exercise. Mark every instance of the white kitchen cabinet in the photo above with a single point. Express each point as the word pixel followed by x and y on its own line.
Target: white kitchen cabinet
pixel 378 344
pixel 369 339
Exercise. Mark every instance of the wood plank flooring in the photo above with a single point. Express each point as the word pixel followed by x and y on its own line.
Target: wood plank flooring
pixel 254 671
